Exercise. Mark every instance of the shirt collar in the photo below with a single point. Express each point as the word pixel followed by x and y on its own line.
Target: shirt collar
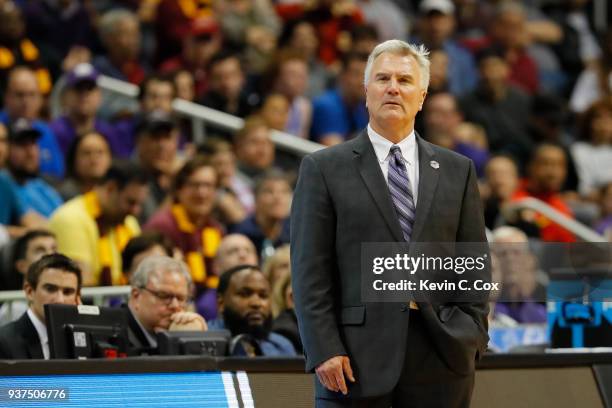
pixel 382 146
pixel 40 327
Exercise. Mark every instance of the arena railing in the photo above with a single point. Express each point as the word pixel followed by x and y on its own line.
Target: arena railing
pixel 583 232
pixel 201 115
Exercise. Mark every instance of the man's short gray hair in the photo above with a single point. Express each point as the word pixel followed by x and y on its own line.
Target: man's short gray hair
pixel 156 264
pixel 399 47
pixel 110 19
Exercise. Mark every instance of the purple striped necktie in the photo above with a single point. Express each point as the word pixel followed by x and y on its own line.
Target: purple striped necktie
pixel 401 192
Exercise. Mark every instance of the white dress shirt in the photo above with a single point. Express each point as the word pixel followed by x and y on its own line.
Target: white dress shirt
pixel 41 329
pixel 410 153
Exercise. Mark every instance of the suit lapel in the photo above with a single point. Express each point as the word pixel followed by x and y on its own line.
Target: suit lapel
pixel 367 163
pixel 30 336
pixel 428 180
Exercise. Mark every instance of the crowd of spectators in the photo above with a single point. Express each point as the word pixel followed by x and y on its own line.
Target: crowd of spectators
pixel 523 88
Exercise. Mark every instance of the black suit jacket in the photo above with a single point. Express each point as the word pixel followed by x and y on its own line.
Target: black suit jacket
pixel 138 341
pixel 341 200
pixel 19 340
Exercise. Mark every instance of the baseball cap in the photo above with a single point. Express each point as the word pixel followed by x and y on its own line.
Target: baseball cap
pixel 21 131
pixel 84 72
pixel 156 122
pixel 441 6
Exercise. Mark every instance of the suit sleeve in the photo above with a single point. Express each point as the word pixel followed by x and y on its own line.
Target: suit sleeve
pixel 314 266
pixel 472 229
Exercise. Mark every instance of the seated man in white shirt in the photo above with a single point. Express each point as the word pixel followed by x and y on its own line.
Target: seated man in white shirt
pixel 54 278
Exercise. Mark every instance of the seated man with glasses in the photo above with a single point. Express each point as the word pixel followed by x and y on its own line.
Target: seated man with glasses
pixel 161 292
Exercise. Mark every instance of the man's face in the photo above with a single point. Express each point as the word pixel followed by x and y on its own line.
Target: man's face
pixel 12 27
pixel 548 169
pixel 127 201
pixel 257 149
pixel 441 114
pixel 226 78
pixel 273 199
pixel 352 81
pixel 23 98
pixel 158 96
pixel 293 78
pixel 502 177
pixel 494 72
pixel 165 293
pixel 24 157
pixel 246 304
pixel 84 99
pixel 93 157
pixel 394 93
pixel 36 249
pixel 509 29
pixel 198 193
pixel 235 250
pixel 124 42
pixel 304 39
pixel 55 286
pixel 158 150
pixel 438 70
pixel 185 87
pixel 224 163
pixel 436 28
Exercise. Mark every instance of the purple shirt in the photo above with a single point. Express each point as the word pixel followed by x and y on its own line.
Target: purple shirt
pixel 65 133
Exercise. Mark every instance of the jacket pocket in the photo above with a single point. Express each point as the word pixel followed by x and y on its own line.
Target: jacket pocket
pixel 352 315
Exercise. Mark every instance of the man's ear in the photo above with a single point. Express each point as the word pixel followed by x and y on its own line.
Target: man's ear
pixel 134 294
pixel 29 291
pixel 20 265
pixel 423 96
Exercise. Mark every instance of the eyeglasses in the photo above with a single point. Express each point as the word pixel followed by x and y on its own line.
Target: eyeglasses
pixel 166 297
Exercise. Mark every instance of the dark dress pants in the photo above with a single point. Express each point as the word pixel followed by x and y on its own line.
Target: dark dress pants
pixel 425 382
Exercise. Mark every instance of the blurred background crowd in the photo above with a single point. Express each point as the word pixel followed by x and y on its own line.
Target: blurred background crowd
pixel 522 87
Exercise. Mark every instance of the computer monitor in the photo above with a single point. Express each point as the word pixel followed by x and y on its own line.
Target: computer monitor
pixel 580 307
pixel 86 331
pixel 212 343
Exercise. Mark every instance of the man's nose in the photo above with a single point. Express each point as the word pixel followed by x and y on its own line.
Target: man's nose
pixel 255 302
pixel 175 304
pixel 393 86
pixel 59 297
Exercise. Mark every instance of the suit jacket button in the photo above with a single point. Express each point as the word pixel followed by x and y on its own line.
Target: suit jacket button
pixel 403 308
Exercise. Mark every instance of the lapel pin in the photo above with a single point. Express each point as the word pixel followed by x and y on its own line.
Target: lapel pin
pixel 434 164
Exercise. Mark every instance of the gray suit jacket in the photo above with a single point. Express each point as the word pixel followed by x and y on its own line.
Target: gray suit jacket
pixel 342 200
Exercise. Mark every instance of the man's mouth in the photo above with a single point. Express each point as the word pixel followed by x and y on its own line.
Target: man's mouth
pixel 255 317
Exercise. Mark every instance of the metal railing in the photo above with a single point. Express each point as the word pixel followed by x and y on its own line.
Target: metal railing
pixel 200 115
pixel 580 230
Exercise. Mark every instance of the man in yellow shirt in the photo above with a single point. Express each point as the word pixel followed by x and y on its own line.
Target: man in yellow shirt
pixel 93 228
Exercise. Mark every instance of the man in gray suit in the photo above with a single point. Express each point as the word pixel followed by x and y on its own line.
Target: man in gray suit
pixel 386 185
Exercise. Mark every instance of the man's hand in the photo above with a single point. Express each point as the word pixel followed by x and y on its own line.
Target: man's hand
pixel 331 373
pixel 187 321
